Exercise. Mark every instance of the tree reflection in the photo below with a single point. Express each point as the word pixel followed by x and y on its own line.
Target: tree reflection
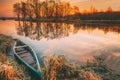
pixel 49 30
pixel 38 30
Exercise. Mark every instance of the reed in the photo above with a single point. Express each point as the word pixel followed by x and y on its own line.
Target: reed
pixel 5 42
pixel 58 68
pixel 89 75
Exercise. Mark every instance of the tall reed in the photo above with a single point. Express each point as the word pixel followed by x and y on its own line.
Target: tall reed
pixel 58 68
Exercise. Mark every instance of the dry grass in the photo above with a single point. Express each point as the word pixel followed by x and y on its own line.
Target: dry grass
pixel 7 73
pixel 5 42
pixel 10 70
pixel 97 66
pixel 89 75
pixel 57 68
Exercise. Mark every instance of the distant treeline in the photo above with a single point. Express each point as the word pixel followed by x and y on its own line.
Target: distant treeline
pixel 101 16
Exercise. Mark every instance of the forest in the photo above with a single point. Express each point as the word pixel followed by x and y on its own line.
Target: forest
pixel 34 9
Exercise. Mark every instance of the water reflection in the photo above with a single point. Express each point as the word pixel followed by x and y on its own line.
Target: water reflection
pixel 104 27
pixel 79 42
pixel 49 30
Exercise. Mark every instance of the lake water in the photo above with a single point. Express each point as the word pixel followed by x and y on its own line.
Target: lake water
pixel 78 42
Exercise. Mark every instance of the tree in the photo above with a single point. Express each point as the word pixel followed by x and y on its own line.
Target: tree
pixel 93 10
pixel 76 10
pixel 23 10
pixel 16 10
pixel 30 10
pixel 109 9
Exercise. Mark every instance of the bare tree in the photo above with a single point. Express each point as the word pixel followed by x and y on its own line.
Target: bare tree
pixel 23 10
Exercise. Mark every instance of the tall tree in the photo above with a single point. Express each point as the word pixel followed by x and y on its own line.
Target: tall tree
pixel 30 9
pixel 23 10
pixel 16 10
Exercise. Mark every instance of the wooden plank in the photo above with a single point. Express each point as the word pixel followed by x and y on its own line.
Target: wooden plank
pixel 22 52
pixel 20 49
pixel 25 55
pixel 28 59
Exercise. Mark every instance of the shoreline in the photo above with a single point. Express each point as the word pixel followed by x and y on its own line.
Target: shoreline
pixel 59 20
pixel 63 20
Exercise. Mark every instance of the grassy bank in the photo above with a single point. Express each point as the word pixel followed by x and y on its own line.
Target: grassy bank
pixel 9 68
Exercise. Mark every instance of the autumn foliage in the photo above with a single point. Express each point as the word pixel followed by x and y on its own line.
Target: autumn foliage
pixel 44 9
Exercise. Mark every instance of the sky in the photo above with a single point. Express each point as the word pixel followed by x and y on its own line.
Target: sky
pixel 6 6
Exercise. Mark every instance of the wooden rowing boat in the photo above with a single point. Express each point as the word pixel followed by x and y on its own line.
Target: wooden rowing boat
pixel 26 55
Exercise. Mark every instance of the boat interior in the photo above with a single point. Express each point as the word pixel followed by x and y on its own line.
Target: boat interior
pixel 26 54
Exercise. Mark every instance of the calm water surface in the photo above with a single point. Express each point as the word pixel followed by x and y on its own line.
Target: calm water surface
pixel 77 42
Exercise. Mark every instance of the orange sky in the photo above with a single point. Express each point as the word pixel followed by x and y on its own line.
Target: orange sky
pixel 6 5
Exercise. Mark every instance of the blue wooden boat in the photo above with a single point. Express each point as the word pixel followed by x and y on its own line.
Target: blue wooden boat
pixel 26 55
